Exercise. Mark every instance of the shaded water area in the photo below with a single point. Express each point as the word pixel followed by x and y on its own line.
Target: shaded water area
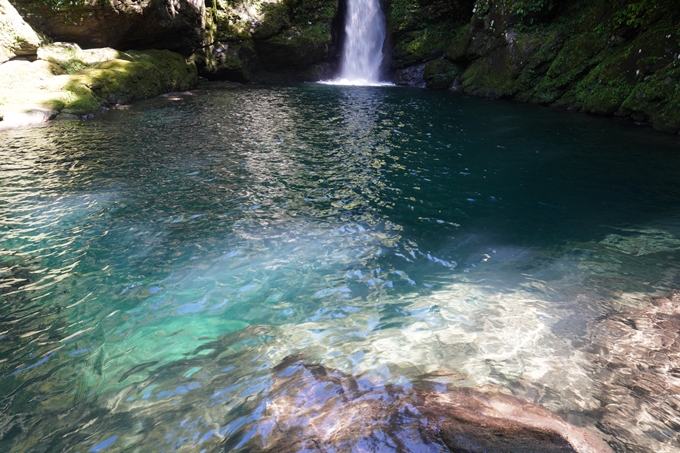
pixel 160 265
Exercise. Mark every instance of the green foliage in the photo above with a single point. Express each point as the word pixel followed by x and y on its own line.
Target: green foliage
pixel 404 15
pixel 634 14
pixel 419 45
pixel 72 66
pixel 303 11
pixel 58 5
pixel 526 8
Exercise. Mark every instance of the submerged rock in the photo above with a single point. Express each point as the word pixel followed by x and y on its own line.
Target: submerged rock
pixel 635 356
pixel 312 407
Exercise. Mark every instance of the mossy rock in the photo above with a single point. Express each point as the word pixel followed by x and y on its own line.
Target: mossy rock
pixel 421 45
pixel 404 15
pixel 275 18
pixel 230 61
pixel 140 75
pixel 578 55
pixel 493 76
pixel 302 12
pixel 295 47
pixel 82 104
pixel 439 74
pixel 657 100
pixel 458 46
pixel 605 87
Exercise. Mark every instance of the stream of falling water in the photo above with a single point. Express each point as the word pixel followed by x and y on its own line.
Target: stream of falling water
pixel 362 54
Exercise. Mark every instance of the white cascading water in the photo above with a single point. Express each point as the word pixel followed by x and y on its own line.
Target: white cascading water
pixel 364 36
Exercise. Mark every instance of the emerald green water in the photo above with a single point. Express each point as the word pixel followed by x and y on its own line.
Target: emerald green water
pixel 158 261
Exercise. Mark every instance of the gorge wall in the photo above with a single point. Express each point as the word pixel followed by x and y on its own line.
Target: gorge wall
pixel 606 57
pixel 237 40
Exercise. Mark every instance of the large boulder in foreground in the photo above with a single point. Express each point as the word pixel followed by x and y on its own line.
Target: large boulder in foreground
pixel 176 25
pixel 17 38
pixel 314 408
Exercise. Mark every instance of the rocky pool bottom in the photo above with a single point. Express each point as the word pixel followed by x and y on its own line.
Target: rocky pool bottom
pixel 338 268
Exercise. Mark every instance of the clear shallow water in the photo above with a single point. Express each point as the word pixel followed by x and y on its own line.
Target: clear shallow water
pixel 157 262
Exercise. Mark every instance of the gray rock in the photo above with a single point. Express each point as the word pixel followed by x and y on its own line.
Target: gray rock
pixel 17 38
pixel 413 76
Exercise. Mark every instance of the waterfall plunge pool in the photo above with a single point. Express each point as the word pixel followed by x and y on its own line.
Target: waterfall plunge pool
pixel 158 262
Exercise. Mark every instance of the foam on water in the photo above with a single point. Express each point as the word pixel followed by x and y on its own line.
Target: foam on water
pixel 362 54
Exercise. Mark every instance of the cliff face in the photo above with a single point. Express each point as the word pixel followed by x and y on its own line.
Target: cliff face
pixel 607 57
pixel 175 25
pixel 238 40
pixel 271 41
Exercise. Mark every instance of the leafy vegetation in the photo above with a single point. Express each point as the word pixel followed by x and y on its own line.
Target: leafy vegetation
pixel 525 9
pixel 59 5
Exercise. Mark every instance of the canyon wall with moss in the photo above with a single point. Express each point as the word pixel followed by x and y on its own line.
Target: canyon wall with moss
pixel 237 40
pixel 606 57
pixel 271 41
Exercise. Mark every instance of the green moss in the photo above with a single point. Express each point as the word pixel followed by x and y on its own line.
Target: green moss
pixel 491 77
pixel 83 104
pixel 657 100
pixel 140 75
pixel 275 19
pixel 458 45
pixel 419 45
pixel 425 29
pixel 297 46
pixel 575 58
pixel 439 74
pixel 404 15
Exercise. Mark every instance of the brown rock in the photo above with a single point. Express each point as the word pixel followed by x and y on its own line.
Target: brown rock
pixel 176 25
pixel 319 408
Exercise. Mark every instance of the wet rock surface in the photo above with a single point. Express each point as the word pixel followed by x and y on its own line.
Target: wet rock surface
pixel 635 356
pixel 316 408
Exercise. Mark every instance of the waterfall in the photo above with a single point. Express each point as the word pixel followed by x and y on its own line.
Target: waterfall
pixel 364 37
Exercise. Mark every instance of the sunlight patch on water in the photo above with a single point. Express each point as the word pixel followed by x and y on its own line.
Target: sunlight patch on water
pixel 150 288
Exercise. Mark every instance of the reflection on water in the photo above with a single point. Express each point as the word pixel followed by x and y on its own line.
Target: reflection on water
pixel 157 263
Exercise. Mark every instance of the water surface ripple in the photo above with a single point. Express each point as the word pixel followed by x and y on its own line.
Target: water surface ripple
pixel 157 262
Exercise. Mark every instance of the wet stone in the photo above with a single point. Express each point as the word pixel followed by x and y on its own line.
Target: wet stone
pixel 311 406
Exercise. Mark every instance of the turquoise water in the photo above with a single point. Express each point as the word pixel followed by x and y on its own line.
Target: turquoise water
pixel 158 261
